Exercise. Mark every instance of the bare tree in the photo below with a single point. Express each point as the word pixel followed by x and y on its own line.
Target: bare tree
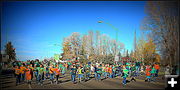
pixel 163 23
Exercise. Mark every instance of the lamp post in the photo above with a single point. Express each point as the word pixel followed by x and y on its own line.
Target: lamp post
pixel 116 29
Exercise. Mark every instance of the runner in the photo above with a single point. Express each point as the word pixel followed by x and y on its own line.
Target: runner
pixel 125 74
pixel 73 74
pixel 133 72
pixel 36 73
pixel 31 71
pixel 63 70
pixel 153 72
pixel 41 72
pixel 148 74
pixel 17 74
pixel 99 72
pixel 57 73
pixel 22 71
pixel 87 72
pixel 28 74
pixel 51 72
pixel 80 73
pixel 157 67
pixel 110 71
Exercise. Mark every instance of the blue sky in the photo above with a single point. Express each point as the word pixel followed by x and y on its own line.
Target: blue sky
pixel 34 27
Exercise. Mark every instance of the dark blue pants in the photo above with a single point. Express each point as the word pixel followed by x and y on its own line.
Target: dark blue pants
pixel 73 78
pixel 124 80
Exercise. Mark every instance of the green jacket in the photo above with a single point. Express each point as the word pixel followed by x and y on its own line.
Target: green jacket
pixel 99 70
pixel 153 70
pixel 125 71
pixel 41 70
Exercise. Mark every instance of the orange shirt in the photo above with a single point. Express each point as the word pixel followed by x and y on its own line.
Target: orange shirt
pixel 28 74
pixel 156 66
pixel 57 71
pixel 22 69
pixel 17 71
pixel 106 69
pixel 110 69
pixel 51 70
pixel 148 73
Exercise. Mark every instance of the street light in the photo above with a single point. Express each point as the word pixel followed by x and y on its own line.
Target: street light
pixel 116 29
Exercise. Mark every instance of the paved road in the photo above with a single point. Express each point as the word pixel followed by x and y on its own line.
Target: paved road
pixel 8 82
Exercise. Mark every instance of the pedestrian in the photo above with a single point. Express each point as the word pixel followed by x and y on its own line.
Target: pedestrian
pixel 153 72
pixel 110 71
pixel 157 67
pixel 28 74
pixel 133 72
pixel 47 71
pixel 41 72
pixel 113 71
pixel 125 74
pixel 87 72
pixel 95 71
pixel 80 73
pixel 57 73
pixel 63 70
pixel 22 70
pixel 31 71
pixel 148 74
pixel 17 74
pixel 167 70
pixel 73 74
pixel 51 72
pixel 103 71
pixel 36 72
pixel 99 72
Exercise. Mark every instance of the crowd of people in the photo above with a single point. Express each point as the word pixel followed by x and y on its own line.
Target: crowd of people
pixel 52 70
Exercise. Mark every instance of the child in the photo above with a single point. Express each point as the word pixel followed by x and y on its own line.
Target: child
pixel 57 73
pixel 41 71
pixel 28 74
pixel 80 74
pixel 133 72
pixel 157 67
pixel 22 70
pixel 110 71
pixel 99 72
pixel 17 74
pixel 148 74
pixel 73 74
pixel 125 74
pixel 63 70
pixel 51 72
pixel 153 72
pixel 87 72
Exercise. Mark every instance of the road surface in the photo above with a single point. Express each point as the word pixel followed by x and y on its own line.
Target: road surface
pixel 8 82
